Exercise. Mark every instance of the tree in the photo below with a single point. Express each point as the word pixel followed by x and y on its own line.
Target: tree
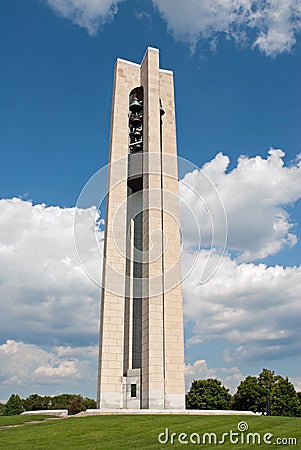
pixel 62 401
pixel 77 405
pixel 249 396
pixel 299 398
pixel 73 402
pixel 13 406
pixel 207 394
pixel 267 380
pixel 284 399
pixel 2 409
pixel 253 392
pixel 89 403
pixel 34 402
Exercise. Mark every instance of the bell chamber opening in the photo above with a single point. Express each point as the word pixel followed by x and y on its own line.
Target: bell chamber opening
pixel 135 182
pixel 136 120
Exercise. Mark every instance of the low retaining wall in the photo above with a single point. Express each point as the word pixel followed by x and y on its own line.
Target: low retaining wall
pixel 49 412
pixel 188 412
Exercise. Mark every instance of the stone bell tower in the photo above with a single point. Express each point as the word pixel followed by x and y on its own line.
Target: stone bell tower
pixel 141 357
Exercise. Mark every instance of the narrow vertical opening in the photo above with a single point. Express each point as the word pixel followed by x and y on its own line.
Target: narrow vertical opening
pixel 162 112
pixel 134 222
pixel 136 120
pixel 133 390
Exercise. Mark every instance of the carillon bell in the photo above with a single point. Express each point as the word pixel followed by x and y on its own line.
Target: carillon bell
pixel 135 120
pixel 135 105
pixel 137 147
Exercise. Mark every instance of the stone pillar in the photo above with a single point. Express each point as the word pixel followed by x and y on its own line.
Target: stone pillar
pixel 152 306
pixel 111 354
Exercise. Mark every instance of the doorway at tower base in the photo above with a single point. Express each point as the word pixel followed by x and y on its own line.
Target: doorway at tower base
pixel 131 389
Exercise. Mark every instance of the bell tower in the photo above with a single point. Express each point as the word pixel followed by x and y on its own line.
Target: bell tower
pixel 141 355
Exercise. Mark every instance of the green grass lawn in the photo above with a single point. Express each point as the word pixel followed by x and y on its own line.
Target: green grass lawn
pixel 16 420
pixel 141 432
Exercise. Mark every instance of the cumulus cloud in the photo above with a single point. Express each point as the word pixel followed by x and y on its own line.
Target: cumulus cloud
pixel 270 25
pixel 50 308
pixel 199 370
pixel 29 365
pixel 255 195
pixel 254 309
pixel 75 352
pixel 46 295
pixel 88 14
pixel 297 383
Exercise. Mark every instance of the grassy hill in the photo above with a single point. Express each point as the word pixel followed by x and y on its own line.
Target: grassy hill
pixel 141 432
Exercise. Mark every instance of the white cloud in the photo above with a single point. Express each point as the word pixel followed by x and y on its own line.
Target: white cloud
pixel 199 370
pixel 253 309
pixel 270 25
pixel 29 365
pixel 255 195
pixel 87 352
pixel 88 14
pixel 45 294
pixel 47 298
pixel 297 383
pixel 274 23
pixel 142 15
pixel 278 23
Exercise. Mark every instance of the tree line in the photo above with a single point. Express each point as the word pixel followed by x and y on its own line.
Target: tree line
pixel 267 394
pixel 72 402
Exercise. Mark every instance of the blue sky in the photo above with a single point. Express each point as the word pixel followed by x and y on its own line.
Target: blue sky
pixel 238 92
